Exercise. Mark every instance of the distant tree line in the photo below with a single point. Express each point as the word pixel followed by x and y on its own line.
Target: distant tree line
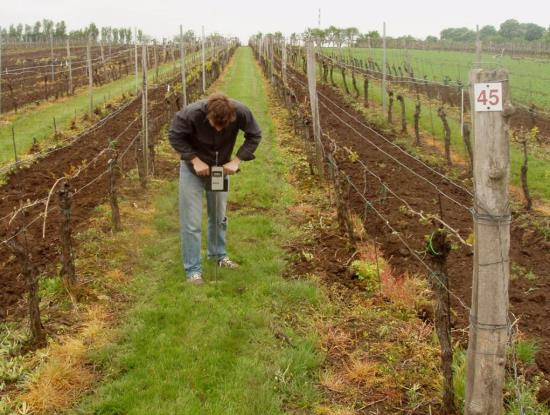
pixel 509 31
pixel 41 31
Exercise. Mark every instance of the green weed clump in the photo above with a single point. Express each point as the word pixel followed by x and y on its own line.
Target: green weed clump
pixel 368 273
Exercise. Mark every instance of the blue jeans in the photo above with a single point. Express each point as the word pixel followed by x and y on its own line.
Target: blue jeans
pixel 191 188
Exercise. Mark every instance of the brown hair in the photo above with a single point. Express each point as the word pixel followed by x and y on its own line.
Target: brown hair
pixel 221 112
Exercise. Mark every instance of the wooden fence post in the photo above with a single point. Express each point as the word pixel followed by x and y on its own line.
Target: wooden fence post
pixel 136 60
pixel 489 325
pixel 271 60
pixel 101 52
pixel 90 75
pixel 0 70
pixel 384 68
pixel 313 99
pixel 67 260
pixel 52 57
pixel 284 63
pixel 183 75
pixel 70 66
pixel 439 249
pixel 113 195
pixel 203 63
pixel 144 109
pixel 156 61
pixel 38 336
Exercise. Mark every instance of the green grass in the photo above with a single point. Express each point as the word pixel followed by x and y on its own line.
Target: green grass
pixel 38 123
pixel 539 168
pixel 529 78
pixel 212 349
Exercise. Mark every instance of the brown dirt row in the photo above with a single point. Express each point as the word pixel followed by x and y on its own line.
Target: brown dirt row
pixel 529 299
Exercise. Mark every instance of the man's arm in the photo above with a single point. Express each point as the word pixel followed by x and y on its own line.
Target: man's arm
pixel 252 135
pixel 180 134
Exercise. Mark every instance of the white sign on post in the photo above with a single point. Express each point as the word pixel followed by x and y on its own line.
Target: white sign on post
pixel 488 96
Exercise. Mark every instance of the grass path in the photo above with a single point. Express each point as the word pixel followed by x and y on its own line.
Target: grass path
pixel 226 348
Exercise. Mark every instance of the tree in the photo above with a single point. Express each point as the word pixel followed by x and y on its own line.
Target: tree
pixel 12 32
pixel 350 34
pixel 36 31
pixel 488 32
pixel 315 34
pixel 334 36
pixel 373 34
pixel 61 30
pixel 293 38
pixel 532 31
pixel 92 31
pixel 28 32
pixel 47 28
pixel 458 34
pixel 431 39
pixel 115 35
pixel 511 30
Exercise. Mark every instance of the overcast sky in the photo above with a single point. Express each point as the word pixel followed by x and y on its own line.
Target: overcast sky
pixel 161 18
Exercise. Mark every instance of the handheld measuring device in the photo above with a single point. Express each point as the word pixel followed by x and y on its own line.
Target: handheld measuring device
pixel 217 179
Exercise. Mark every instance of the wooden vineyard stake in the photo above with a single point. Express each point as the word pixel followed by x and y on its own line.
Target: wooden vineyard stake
pixel 489 325
pixel 101 52
pixel 155 60
pixel 144 111
pixel 113 194
pixel 140 161
pixel 284 64
pixel 29 272
pixel 52 57
pixel 0 69
pixel 183 74
pixel 314 103
pixel 67 259
pixel 439 249
pixel 90 75
pixel 384 60
pixel 136 60
pixel 203 63
pixel 271 60
pixel 70 68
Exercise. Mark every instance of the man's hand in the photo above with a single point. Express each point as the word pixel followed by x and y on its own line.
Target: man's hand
pixel 232 166
pixel 201 168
